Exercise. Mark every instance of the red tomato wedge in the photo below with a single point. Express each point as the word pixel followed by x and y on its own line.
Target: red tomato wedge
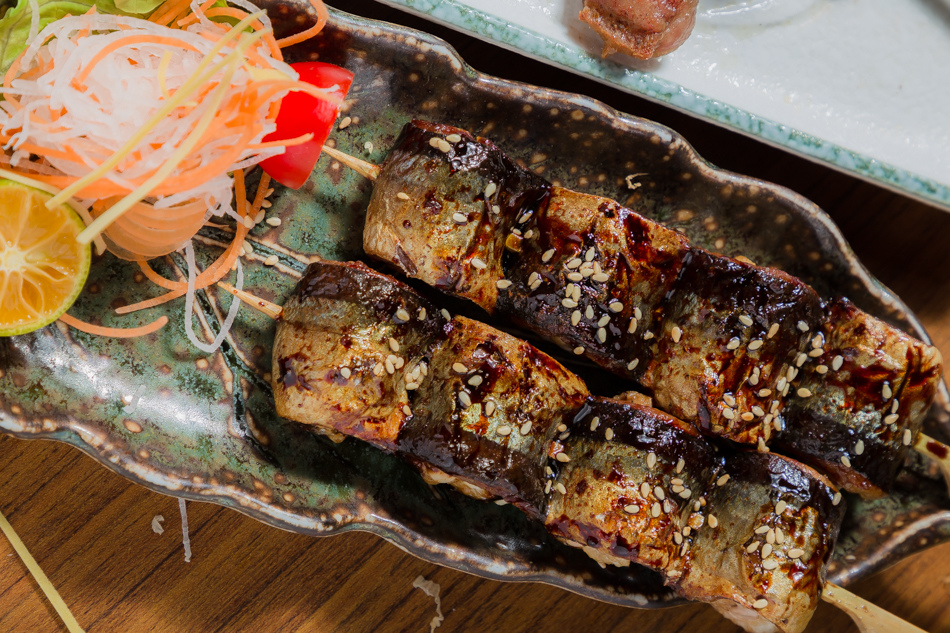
pixel 301 114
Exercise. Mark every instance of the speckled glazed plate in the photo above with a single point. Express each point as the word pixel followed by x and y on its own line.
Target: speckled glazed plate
pixel 165 415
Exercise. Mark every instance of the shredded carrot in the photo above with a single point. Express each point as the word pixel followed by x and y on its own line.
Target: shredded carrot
pixel 114 332
pixel 322 16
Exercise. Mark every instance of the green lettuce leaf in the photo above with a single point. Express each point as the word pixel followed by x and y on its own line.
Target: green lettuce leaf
pixel 15 24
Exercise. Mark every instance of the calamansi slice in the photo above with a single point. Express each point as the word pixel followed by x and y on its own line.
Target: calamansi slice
pixel 42 266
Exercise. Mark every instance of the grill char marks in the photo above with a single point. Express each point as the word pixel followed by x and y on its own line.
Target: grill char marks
pixel 762 563
pixel 496 435
pixel 711 337
pixel 629 498
pixel 719 347
pixel 866 395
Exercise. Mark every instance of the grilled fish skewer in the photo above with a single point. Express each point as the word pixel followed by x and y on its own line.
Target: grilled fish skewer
pixel 723 344
pixel 635 443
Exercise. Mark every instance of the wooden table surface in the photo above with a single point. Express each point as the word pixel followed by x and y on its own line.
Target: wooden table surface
pixel 91 531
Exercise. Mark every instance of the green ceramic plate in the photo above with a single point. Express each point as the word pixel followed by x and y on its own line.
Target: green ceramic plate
pixel 165 415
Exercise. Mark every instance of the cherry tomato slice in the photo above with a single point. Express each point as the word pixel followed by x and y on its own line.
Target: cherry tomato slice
pixel 301 114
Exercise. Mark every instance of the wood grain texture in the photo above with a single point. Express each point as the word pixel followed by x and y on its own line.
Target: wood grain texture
pixel 91 532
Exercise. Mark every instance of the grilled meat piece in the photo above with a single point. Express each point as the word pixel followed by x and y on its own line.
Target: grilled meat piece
pixel 760 559
pixel 358 353
pixel 736 330
pixel 641 28
pixel 710 337
pixel 627 480
pixel 476 408
pixel 861 401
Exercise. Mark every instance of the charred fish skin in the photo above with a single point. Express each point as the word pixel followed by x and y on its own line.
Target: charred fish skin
pixel 861 399
pixel 629 480
pixel 451 238
pixel 726 352
pixel 346 349
pixel 760 559
pixel 492 405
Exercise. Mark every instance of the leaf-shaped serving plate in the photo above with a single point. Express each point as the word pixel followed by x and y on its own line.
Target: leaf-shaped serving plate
pixel 165 415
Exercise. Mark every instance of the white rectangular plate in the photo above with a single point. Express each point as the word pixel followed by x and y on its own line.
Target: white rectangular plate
pixel 860 85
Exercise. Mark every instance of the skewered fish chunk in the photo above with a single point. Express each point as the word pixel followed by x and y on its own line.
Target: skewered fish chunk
pixel 727 345
pixel 761 557
pixel 358 353
pixel 861 399
pixel 627 480
pixel 596 278
pixel 335 365
pixel 488 411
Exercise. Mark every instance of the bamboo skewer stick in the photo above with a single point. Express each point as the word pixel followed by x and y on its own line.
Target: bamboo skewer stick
pixel 940 452
pixel 868 617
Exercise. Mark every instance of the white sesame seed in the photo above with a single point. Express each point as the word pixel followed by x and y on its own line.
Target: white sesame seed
pixel 762 529
pixel 475 380
pixel 680 465
pixel 479 264
pixel 547 487
pixel 402 315
pixel 677 334
pixel 459 368
pixel 345 122
pixel 846 461
pixel 796 552
pixel 406 409
pixel 713 521
pixel 803 392
pixel 453 138
pixel 402 195
pixel 759 604
pixel 800 359
pixel 609 434
pixel 836 499
pixel 659 493
pixel 270 261
pixel 780 507
pixel 399 362
pixel 764 393
pixel 615 306
pixel 525 428
pixel 600 277
pixel 745 319
pixel 801 325
pixel 248 222
pixel 754 545
pixel 773 330
pixel 412 386
pixel 490 189
pixel 631 509
pixel 574 263
pixel 390 366
pixel 769 564
pixel 815 353
pixel 434 141
pixel 767 548
pixel 733 343
pixel 837 362
pixel 894 405
pixel 791 374
pixel 908 436
pixel 758 411
pixel 601 335
pixel 529 234
pixel 445 314
pixel 575 276
pixel 886 391
pixel 589 312
pixel 821 369
pixel 503 430
pixel 579 350
pixel 444 146
pixel 604 320
pixel 644 490
pixel 651 460
pixel 633 326
pixel 722 480
pixel 633 364
pixel 345 372
pixel 677 538
pixel 575 317
pixel 590 254
pixel 747 416
pixel 393 344
pixel 562 457
pixel 495 209
pixel 489 407
pixel 568 303
pixel 656 509
pixel 465 399
pixel 859 447
pixel 594 423
pixel 560 488
pixel 525 217
pixel 779 536
pixel 503 284
pixel 459 218
pixel 756 344
pixel 647 336
pixel 378 369
pixel 548 254
pixel 761 447
pixel 273 221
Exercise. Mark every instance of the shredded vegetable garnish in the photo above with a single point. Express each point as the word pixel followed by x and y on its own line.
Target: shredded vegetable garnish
pixel 51 594
pixel 115 332
pixel 185 537
pixel 144 120
pixel 431 589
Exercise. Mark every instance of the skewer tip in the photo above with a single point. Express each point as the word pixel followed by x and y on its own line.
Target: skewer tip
pixel 368 170
pixel 938 452
pixel 868 617
pixel 272 310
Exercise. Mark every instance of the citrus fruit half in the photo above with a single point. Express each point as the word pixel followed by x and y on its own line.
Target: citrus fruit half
pixel 42 266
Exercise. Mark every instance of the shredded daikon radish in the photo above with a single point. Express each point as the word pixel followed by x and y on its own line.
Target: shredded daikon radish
pixel 432 590
pixel 157 524
pixel 185 538
pixel 51 594
pixel 190 304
